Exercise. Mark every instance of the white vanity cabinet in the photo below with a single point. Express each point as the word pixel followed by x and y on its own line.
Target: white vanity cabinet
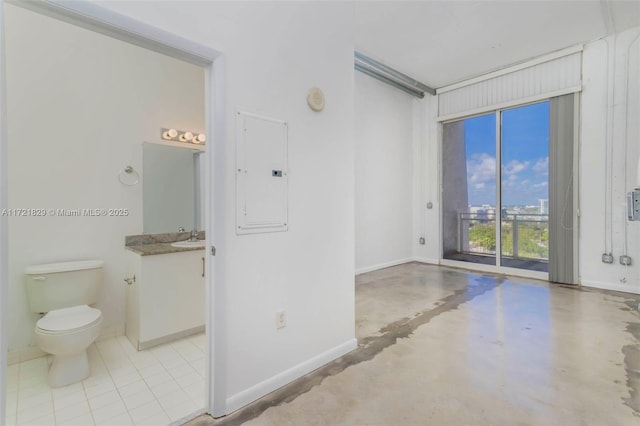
pixel 167 299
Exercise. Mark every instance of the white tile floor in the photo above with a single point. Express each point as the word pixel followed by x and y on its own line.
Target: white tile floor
pixel 158 386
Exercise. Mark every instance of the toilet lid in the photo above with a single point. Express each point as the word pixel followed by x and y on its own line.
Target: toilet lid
pixel 68 318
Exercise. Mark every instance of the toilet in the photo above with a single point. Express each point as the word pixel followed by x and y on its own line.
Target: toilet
pixel 63 293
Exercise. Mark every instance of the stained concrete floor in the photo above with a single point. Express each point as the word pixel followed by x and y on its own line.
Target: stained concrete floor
pixel 440 346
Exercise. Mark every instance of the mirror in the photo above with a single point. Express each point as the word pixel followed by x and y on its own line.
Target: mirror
pixel 171 187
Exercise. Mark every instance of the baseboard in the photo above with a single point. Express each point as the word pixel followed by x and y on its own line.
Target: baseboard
pixel 382 266
pixel 24 354
pixel 184 420
pixel 259 390
pixel 626 288
pixel 426 260
pixel 111 331
pixel 169 338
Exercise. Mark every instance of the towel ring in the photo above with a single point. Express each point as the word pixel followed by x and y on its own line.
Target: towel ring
pixel 129 176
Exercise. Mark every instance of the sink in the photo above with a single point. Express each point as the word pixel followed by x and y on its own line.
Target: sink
pixel 187 244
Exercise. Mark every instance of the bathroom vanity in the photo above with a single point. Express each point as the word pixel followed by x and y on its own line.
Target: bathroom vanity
pixel 165 291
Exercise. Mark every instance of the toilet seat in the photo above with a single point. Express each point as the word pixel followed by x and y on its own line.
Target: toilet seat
pixel 68 320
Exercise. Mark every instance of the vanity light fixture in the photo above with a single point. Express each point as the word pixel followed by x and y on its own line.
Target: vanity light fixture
pixel 182 136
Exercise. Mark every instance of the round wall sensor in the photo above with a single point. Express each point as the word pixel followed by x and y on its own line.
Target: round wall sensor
pixel 315 99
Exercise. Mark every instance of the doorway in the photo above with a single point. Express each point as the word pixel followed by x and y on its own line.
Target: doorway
pixel 495 189
pixel 71 203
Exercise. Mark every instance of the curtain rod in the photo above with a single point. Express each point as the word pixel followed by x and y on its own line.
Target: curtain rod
pixel 390 76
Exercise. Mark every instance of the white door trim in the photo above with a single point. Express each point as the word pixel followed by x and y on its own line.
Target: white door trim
pixel 98 19
pixel 4 254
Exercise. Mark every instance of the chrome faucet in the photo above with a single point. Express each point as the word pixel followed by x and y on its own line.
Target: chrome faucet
pixel 180 229
pixel 194 235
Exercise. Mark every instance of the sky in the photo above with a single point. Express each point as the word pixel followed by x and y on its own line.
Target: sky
pixel 525 156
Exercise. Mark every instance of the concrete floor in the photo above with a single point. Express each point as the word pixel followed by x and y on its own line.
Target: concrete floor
pixel 444 346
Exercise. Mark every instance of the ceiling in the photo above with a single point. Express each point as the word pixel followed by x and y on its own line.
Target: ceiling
pixel 443 42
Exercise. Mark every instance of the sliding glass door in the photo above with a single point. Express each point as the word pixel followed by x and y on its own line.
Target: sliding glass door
pixel 497 215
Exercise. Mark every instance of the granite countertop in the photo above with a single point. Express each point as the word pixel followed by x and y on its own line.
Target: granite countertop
pixel 151 244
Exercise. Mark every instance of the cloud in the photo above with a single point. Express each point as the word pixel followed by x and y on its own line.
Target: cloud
pixel 541 167
pixel 510 180
pixel 514 167
pixel 481 168
pixel 524 181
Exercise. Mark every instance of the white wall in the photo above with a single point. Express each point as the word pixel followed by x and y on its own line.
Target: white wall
pixel 610 106
pixel 397 174
pixel 273 54
pixel 426 160
pixel 384 174
pixel 79 107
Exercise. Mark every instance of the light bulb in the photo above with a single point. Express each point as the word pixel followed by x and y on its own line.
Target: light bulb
pixel 186 137
pixel 200 138
pixel 170 134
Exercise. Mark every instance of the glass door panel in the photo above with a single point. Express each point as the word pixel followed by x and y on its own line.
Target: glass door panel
pixel 524 189
pixel 469 190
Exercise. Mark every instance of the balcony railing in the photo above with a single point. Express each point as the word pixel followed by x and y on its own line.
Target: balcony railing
pixel 524 235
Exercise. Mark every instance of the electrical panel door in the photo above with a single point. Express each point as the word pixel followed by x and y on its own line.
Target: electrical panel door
pixel 261 172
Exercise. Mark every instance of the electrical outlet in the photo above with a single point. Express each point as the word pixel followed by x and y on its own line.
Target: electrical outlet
pixel 625 260
pixel 422 240
pixel 281 320
pixel 607 258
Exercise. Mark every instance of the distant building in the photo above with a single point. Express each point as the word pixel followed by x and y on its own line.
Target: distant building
pixel 544 206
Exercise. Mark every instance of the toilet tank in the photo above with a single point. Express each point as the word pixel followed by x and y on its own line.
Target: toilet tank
pixel 62 285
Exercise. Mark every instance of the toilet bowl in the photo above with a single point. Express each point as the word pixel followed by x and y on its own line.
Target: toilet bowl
pixel 66 334
pixel 62 293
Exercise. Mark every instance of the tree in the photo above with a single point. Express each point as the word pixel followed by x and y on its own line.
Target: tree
pixel 483 236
